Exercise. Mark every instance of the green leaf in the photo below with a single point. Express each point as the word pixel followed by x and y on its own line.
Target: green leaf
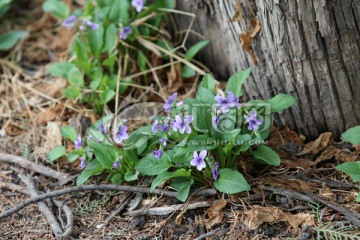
pixel 61 69
pixel 119 10
pixel 159 179
pixel 110 38
pixel 202 114
pixel 267 155
pixel 236 81
pixel 92 168
pixel 358 197
pixel 68 133
pixel 107 95
pixel 208 82
pixel 56 153
pixel 190 54
pixel 187 72
pixel 183 185
pixel 116 178
pixel 205 95
pixel 105 154
pixel 141 61
pixel 352 135
pixel 96 40
pixel 281 102
pixel 71 92
pixel 9 39
pixel 73 155
pixel 57 8
pixel 80 50
pixel 169 4
pixel 202 142
pixel 131 176
pixel 352 169
pixel 75 78
pixel 167 175
pixel 110 62
pixel 231 181
pixel 151 166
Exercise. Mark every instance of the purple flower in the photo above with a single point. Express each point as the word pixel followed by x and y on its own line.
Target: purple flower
pixel 70 22
pixel 182 125
pixel 163 141
pixel 78 142
pixel 82 162
pixel 138 4
pixel 165 127
pixel 233 99
pixel 121 135
pixel 102 129
pixel 199 160
pixel 116 164
pixel 253 121
pixel 157 154
pixel 215 120
pixel 125 32
pixel 215 172
pixel 156 126
pixel 90 24
pixel 225 103
pixel 169 102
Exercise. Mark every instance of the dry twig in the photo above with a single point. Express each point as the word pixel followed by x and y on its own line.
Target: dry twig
pixel 61 177
pixel 353 217
pixel 205 192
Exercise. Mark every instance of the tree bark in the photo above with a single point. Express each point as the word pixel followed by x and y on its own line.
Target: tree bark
pixel 306 48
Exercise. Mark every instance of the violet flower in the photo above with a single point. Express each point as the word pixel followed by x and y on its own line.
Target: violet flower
pixel 165 127
pixel 78 142
pixel 215 172
pixel 163 141
pixel 215 120
pixel 125 32
pixel 225 103
pixel 116 164
pixel 121 135
pixel 90 24
pixel 70 22
pixel 138 4
pixel 170 102
pixel 82 163
pixel 253 121
pixel 102 128
pixel 199 160
pixel 182 125
pixel 157 154
pixel 156 126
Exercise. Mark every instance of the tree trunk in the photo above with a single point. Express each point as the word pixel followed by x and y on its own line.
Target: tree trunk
pixel 306 48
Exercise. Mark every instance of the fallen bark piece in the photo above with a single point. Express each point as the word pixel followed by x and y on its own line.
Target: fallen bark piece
pixel 161 211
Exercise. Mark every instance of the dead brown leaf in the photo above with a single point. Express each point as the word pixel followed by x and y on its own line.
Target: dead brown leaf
pixel 46 116
pixel 259 215
pixel 324 140
pixel 238 15
pixel 288 183
pixel 215 213
pixel 174 78
pixel 303 163
pixel 246 45
pixel 339 154
pixel 256 28
pixel 327 194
